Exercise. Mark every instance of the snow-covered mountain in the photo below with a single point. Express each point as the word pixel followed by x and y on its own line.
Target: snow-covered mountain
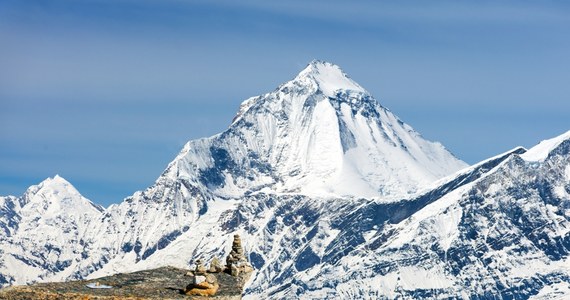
pixel 504 233
pixel 334 197
pixel 43 232
pixel 318 134
pixel 497 229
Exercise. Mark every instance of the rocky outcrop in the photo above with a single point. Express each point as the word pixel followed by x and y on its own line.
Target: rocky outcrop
pixel 162 283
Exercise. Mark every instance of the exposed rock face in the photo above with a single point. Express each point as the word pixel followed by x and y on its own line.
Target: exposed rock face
pixel 161 283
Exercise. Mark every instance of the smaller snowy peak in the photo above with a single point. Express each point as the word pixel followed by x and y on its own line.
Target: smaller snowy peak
pixel 328 77
pixel 541 151
pixel 56 185
pixel 55 193
pixel 57 181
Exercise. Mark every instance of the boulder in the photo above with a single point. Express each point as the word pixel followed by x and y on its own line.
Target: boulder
pixel 215 266
pixel 202 285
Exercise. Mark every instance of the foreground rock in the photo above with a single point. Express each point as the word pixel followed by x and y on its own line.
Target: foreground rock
pixel 161 283
pixel 205 283
pixel 202 283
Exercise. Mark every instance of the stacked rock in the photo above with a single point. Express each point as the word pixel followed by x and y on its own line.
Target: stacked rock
pixel 236 262
pixel 202 284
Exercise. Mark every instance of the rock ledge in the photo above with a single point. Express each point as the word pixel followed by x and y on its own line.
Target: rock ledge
pixel 161 283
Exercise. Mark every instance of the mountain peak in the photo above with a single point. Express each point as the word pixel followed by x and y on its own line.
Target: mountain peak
pixel 317 78
pixel 57 180
pixel 57 191
pixel 317 64
pixel 318 134
pixel 328 77
pixel 57 183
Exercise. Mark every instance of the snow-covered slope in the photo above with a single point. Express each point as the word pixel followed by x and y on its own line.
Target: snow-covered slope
pixel 504 233
pixel 498 228
pixel 318 134
pixel 544 149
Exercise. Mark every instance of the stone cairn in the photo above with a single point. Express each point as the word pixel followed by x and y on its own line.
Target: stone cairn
pixel 202 283
pixel 236 262
pixel 205 283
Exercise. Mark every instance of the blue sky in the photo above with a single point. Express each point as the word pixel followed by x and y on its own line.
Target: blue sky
pixel 106 92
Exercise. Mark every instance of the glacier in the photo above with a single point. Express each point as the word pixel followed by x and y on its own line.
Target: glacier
pixel 333 196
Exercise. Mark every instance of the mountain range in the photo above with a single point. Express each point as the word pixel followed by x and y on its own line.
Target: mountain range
pixel 334 197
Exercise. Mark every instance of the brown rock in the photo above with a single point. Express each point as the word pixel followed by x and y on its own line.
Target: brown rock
pixel 204 288
pixel 215 266
pixel 166 283
pixel 211 279
pixel 202 285
pixel 200 269
pixel 234 270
